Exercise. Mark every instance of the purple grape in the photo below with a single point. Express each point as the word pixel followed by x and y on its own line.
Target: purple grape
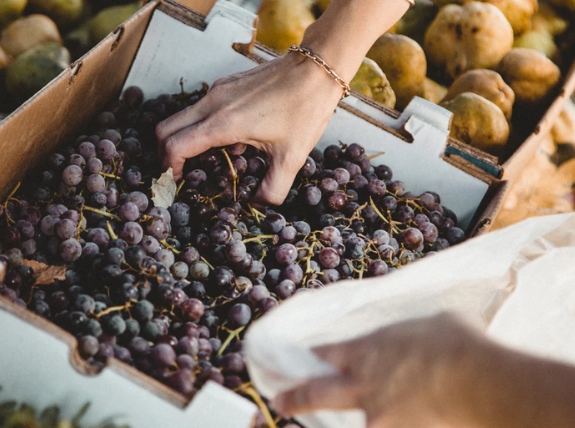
pixel 72 175
pixel 132 233
pixel 165 256
pixel 133 177
pixel 140 199
pixel 192 309
pixel 158 228
pixel 162 355
pixel 338 201
pixel 286 254
pixel 77 160
pixel 328 258
pixel 87 150
pixel 105 149
pixel 239 315
pixel 377 268
pixel 341 176
pixel 65 229
pixel 235 251
pixel 128 211
pixel 312 195
pixel 70 250
pixel 286 288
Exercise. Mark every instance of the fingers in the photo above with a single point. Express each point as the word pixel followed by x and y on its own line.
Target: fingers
pixel 192 141
pixel 277 181
pixel 189 116
pixel 335 393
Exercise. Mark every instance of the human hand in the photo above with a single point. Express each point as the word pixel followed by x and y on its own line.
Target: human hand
pixel 281 107
pixel 404 375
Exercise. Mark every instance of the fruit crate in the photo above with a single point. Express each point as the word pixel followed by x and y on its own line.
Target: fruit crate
pixel 147 51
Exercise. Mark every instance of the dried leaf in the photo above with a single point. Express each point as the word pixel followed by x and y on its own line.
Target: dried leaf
pixel 46 274
pixel 164 189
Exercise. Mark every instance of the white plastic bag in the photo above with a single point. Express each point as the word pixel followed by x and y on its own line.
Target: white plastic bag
pixel 519 281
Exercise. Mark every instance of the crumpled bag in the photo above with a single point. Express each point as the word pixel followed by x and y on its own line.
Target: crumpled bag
pixel 518 283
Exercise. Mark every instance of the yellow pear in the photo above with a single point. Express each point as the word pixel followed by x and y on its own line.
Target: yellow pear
pixel 372 82
pixel 11 10
pixel 282 23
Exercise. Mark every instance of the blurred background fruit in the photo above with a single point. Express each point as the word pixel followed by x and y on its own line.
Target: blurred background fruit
pixel 40 38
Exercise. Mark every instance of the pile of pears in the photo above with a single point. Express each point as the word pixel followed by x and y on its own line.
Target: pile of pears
pixel 40 38
pixel 496 64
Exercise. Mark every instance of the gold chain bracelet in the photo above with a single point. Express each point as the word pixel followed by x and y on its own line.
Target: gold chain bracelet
pixel 315 58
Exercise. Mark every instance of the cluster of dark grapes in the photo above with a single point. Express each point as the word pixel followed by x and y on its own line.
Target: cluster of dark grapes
pixel 170 290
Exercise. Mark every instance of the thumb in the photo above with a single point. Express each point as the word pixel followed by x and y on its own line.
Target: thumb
pixel 276 183
pixel 334 392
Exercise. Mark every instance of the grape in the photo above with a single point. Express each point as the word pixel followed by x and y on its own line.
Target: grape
pixel 132 233
pixel 165 256
pixel 376 188
pixel 377 268
pixel 158 228
pixel 286 288
pixel 77 160
pixel 274 223
pixel 240 315
pixel 182 381
pixel 70 250
pixel 180 213
pixel 286 254
pixel 133 96
pixel 128 211
pixel 192 309
pixel 329 258
pixel 162 355
pixel 189 255
pixel 429 232
pixel 65 229
pixel 338 201
pixel 302 227
pixel 95 183
pixel 308 169
pixel 140 199
pixel 341 176
pixel 105 149
pixel 455 235
pixel 133 177
pixel 88 346
pixel 312 195
pixel 72 175
pixel 235 251
pixel 115 325
pixel 268 304
pixel 288 234
pixel 180 270
pixel 87 150
pixel 199 270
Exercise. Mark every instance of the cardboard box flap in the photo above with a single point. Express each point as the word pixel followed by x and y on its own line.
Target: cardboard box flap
pixel 237 14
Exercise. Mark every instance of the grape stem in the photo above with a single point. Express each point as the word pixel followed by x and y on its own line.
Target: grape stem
pixel 375 155
pixel 102 213
pixel 253 394
pixel 394 229
pixel 79 227
pixel 170 247
pixel 258 215
pixel 233 171
pixel 105 174
pixel 113 309
pixel 10 197
pixel 111 231
pixel 206 262
pixel 233 334
pixel 180 187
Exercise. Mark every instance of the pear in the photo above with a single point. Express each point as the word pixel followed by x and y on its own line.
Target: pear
pixel 63 12
pixel 27 32
pixel 33 69
pixel 372 82
pixel 530 74
pixel 11 10
pixel 478 122
pixel 487 83
pixel 403 62
pixel 282 23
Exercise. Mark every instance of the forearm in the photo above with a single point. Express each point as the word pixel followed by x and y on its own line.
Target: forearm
pixel 507 389
pixel 348 28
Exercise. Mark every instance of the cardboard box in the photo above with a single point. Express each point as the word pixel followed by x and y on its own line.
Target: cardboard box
pixel 154 49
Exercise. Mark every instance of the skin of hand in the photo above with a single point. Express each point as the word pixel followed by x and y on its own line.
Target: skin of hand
pixel 437 372
pixel 281 107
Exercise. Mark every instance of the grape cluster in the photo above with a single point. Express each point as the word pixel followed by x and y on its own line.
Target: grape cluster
pixel 170 290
